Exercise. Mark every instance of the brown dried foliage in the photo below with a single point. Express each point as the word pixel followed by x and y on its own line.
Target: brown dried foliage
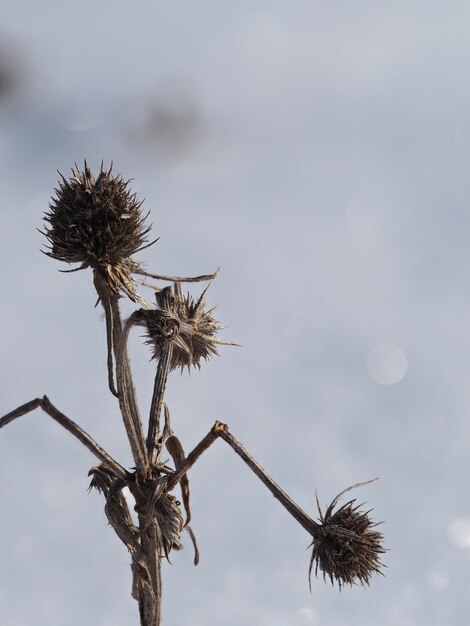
pixel 184 321
pixel 346 546
pixel 98 223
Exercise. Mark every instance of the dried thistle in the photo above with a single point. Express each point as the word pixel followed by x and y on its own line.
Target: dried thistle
pixel 183 321
pixel 181 333
pixel 346 546
pixel 98 223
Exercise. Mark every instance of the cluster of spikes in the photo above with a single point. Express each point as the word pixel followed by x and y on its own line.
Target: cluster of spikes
pixel 184 321
pixel 97 223
pixel 346 545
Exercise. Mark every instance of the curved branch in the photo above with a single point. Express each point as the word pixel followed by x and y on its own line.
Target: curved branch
pixel 127 399
pixel 221 430
pixel 46 405
pixel 177 279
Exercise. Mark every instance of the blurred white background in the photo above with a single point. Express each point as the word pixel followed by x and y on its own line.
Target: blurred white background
pixel 319 153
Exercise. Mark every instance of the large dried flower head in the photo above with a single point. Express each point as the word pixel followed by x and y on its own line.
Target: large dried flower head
pixel 346 545
pixel 185 323
pixel 97 222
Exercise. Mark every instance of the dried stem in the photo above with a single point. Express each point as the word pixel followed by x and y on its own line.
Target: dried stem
pixel 221 430
pixel 125 365
pixel 126 391
pixel 157 400
pixel 73 428
pixel 151 595
pixel 346 547
pixel 110 346
pixel 193 456
pixel 176 279
pixel 304 520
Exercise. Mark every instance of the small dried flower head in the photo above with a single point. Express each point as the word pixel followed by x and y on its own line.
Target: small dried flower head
pixel 346 546
pixel 97 222
pixel 183 321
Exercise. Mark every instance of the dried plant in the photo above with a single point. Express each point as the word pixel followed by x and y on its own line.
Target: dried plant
pixel 195 329
pixel 346 548
pixel 97 222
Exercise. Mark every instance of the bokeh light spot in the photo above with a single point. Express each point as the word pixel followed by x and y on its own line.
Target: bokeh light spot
pixel 307 615
pixel 459 532
pixel 387 364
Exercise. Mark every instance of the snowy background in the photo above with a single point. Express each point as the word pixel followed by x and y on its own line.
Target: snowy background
pixel 319 153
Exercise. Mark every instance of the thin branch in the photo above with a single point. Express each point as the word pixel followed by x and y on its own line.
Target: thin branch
pixel 130 390
pixel 127 400
pixel 104 296
pixel 144 283
pixel 193 456
pixel 73 428
pixel 110 345
pixel 174 447
pixel 157 400
pixel 304 520
pixel 221 430
pixel 177 279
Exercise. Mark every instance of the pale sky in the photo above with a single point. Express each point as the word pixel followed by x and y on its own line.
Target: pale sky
pixel 318 152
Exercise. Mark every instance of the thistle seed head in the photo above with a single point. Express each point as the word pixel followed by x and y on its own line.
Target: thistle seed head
pixel 97 222
pixel 346 546
pixel 183 321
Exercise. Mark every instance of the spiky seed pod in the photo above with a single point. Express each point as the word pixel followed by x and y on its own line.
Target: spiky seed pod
pixel 346 546
pixel 97 222
pixel 183 321
pixel 162 326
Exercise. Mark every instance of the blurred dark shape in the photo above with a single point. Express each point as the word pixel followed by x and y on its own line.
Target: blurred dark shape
pixel 169 122
pixel 12 71
pixel 175 127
